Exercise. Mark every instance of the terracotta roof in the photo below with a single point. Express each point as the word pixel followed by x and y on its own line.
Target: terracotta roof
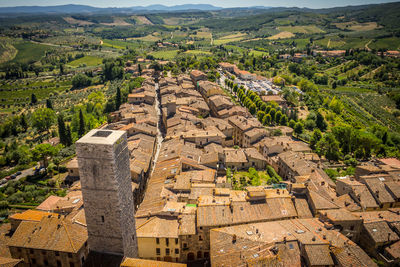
pixel 320 202
pixel 187 224
pixel 51 233
pixel 32 215
pixel 158 227
pixel 235 155
pixel 302 208
pixel 380 232
pixel 130 262
pixel 273 209
pixel 258 240
pixel 393 162
pixel 9 262
pixel 394 250
pixel 377 187
pixel 49 204
pixel 318 255
pixel 382 215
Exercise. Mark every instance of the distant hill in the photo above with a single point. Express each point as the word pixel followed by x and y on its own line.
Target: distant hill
pixel 70 9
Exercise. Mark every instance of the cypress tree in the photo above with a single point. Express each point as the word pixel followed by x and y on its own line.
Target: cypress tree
pixel 68 137
pixel 49 104
pixel 23 122
pixel 61 130
pixel 118 99
pixel 33 99
pixel 81 130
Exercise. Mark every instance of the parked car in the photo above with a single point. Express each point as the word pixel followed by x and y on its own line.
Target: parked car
pixel 8 178
pixel 3 181
pixel 13 176
pixel 18 173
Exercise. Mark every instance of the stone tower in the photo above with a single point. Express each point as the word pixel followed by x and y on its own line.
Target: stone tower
pixel 103 160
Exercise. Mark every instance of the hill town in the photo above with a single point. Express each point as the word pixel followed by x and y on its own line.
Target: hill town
pixel 252 143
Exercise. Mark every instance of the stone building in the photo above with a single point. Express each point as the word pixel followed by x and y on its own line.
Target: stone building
pixel 52 241
pixel 103 158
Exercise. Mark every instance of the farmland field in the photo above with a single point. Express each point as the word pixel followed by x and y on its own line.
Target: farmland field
pixel 166 55
pixel 301 29
pixel 86 60
pixel 30 52
pixel 281 35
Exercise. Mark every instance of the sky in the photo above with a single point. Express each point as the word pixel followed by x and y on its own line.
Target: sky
pixel 219 3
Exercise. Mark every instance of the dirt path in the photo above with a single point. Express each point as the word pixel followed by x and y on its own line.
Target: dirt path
pixel 367 44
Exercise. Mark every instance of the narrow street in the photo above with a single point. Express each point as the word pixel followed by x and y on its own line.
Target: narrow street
pixel 160 137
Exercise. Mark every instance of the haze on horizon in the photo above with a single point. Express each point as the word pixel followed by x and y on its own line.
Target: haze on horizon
pixel 223 3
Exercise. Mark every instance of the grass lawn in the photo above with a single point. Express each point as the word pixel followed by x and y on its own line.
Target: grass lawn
pixel 87 60
pixel 166 54
pixel 242 179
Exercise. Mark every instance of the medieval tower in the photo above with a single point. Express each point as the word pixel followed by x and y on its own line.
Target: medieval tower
pixel 103 159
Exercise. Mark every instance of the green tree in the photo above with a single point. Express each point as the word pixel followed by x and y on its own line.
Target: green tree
pixel 316 136
pixel 62 131
pixel 321 123
pixel 33 99
pixel 329 147
pixel 44 152
pixel 284 120
pixel 111 71
pixel 298 128
pixel 43 118
pixel 278 116
pixel 68 136
pixel 118 98
pixel 23 122
pixel 81 130
pixel 252 109
pixel 81 80
pixel 49 104
pixel 266 120
pixel 292 124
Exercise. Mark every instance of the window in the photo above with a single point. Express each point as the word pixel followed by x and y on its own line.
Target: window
pixel 184 245
pixel 200 238
pixel 33 261
pixel 102 218
pixel 58 253
pixel 43 252
pixel 46 263
pixel 58 263
pixel 167 251
pixel 158 252
pixel 167 242
pixel 176 241
pixel 70 255
pixel 157 240
pixel 71 264
pixel 352 227
pixel 31 251
pixel 177 251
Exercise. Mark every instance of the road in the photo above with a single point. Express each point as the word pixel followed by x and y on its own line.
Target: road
pixel 23 174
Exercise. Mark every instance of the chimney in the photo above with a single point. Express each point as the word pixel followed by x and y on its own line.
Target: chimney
pixel 233 239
